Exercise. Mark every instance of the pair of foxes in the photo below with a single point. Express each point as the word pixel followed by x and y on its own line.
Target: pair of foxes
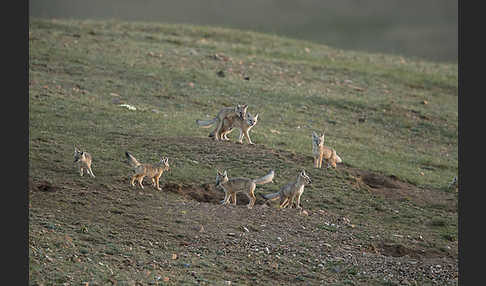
pixel 229 118
pixel 289 194
pixel 152 171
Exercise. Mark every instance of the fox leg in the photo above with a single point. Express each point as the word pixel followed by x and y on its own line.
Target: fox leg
pixel 81 171
pixel 320 160
pixel 251 197
pixel 247 135
pixel 157 182
pixel 284 202
pixel 217 132
pixel 316 162
pixel 132 180
pixel 233 198
pixel 140 179
pixel 225 201
pixel 90 172
pixel 298 201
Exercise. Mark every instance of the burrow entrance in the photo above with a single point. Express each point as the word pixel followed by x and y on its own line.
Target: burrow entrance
pixel 207 193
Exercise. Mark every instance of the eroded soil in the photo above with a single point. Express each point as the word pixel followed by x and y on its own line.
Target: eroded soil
pixel 113 234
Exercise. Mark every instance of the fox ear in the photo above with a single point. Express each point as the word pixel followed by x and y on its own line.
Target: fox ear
pixel 256 116
pixel 224 173
pixel 314 134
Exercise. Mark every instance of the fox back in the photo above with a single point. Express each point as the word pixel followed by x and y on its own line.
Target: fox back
pixel 229 123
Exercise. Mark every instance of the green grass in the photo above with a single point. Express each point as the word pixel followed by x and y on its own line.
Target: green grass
pixel 381 113
pixel 295 91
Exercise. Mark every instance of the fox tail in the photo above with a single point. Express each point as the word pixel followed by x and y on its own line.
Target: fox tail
pixel 268 178
pixel 271 197
pixel 338 159
pixel 131 160
pixel 206 123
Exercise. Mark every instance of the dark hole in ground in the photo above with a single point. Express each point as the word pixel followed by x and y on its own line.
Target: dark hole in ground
pixel 43 186
pixel 379 181
pixel 399 250
pixel 207 193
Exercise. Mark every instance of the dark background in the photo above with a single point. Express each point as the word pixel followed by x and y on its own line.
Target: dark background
pixel 424 29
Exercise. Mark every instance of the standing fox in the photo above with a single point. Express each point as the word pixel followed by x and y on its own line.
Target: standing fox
pixel 245 185
pixel 291 191
pixel 320 152
pixel 244 125
pixel 227 112
pixel 84 160
pixel 152 171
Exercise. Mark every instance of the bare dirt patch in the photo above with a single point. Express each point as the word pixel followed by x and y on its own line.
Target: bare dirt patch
pixel 392 188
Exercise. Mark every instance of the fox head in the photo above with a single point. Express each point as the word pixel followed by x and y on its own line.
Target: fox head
pixel 78 155
pixel 221 178
pixel 251 120
pixel 317 140
pixel 304 177
pixel 240 109
pixel 165 162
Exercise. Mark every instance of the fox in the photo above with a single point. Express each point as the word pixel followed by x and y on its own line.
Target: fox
pixel 152 171
pixel 84 160
pixel 232 112
pixel 290 193
pixel 320 152
pixel 229 123
pixel 234 185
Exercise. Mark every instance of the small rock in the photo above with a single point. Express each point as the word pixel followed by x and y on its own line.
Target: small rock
pixel 231 234
pixel 221 73
pixel 174 256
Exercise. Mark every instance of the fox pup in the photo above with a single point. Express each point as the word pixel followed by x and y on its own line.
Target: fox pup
pixel 84 160
pixel 229 123
pixel 245 185
pixel 152 171
pixel 237 111
pixel 320 152
pixel 291 192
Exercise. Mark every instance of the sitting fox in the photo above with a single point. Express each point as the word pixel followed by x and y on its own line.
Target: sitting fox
pixel 291 192
pixel 228 112
pixel 245 185
pixel 244 125
pixel 84 160
pixel 152 171
pixel 320 152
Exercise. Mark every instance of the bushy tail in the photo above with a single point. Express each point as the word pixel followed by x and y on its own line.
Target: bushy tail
pixel 131 160
pixel 206 123
pixel 265 179
pixel 338 159
pixel 271 197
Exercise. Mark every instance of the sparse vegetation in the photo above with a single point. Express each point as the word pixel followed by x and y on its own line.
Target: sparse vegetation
pixel 392 120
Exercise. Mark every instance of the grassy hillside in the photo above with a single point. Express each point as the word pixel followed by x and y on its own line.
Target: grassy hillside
pixel 393 121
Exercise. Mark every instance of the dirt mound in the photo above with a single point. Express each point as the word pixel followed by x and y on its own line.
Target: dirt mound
pixel 392 188
pixel 399 250
pixel 42 186
pixel 206 193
